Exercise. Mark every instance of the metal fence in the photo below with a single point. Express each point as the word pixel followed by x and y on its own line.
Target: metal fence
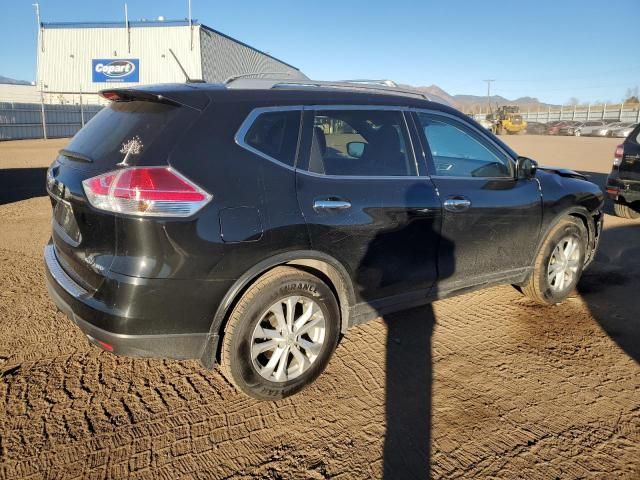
pixel 39 120
pixel 623 113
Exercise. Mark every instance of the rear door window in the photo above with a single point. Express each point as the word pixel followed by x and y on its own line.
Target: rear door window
pixel 370 143
pixel 275 135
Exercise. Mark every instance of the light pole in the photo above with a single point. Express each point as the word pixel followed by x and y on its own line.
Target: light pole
pixel 489 92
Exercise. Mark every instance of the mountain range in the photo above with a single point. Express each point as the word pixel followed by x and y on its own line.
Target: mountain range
pixel 474 103
pixel 13 81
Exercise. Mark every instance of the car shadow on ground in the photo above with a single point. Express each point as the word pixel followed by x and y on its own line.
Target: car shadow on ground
pixel 611 284
pixel 409 359
pixel 408 393
pixel 21 184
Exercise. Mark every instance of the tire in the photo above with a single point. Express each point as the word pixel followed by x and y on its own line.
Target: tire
pixel 577 133
pixel 625 211
pixel 540 286
pixel 257 377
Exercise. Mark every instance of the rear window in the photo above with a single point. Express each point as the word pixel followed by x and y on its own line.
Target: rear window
pixel 126 127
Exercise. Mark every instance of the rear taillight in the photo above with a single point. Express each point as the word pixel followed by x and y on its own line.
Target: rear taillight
pixel 617 157
pixel 145 191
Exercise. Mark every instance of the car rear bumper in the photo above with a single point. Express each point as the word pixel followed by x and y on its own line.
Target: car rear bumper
pixel 74 301
pixel 625 190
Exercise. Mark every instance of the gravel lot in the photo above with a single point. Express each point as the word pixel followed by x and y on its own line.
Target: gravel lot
pixel 486 385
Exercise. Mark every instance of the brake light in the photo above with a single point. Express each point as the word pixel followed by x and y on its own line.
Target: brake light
pixel 617 157
pixel 113 96
pixel 145 191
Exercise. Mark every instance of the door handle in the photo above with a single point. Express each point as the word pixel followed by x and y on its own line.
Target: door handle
pixel 457 204
pixel 331 205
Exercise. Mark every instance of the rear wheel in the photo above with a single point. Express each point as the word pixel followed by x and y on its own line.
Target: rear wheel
pixel 625 211
pixel 281 334
pixel 559 263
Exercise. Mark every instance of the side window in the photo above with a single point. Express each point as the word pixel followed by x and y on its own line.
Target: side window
pixel 458 151
pixel 360 143
pixel 275 134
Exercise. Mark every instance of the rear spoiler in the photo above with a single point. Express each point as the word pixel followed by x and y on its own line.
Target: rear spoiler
pixel 177 97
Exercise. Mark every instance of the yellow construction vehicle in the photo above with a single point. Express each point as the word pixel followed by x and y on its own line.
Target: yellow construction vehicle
pixel 507 120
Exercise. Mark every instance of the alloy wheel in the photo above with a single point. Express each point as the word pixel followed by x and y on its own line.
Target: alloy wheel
pixel 564 264
pixel 288 338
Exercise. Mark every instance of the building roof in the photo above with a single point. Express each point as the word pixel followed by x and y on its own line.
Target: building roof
pixel 155 23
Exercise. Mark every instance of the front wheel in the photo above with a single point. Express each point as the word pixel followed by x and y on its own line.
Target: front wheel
pixel 559 263
pixel 281 334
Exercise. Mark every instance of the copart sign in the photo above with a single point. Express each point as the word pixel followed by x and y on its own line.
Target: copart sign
pixel 116 70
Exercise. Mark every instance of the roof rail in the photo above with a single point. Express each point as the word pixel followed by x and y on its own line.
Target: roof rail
pixel 383 82
pixel 253 74
pixel 386 86
pixel 347 85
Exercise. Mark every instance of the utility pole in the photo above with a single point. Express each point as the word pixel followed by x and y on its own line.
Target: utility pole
pixel 489 91
pixel 38 49
pixel 190 24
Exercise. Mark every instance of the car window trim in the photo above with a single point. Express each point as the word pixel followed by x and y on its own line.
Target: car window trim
pixel 483 135
pixel 248 122
pixel 413 152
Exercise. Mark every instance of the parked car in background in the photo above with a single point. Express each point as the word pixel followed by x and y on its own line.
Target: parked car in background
pixel 587 128
pixel 570 128
pixel 256 234
pixel 623 184
pixel 606 129
pixel 554 126
pixel 536 128
pixel 623 130
pixel 488 124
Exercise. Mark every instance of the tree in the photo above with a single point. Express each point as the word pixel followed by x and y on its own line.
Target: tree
pixel 573 101
pixel 631 95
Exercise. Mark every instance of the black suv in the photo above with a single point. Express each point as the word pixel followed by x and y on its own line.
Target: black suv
pixel 252 224
pixel 623 184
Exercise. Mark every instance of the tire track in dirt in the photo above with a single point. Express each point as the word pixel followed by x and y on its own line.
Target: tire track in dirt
pixel 518 391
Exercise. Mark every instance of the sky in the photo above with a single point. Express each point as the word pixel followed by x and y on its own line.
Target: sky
pixel 552 50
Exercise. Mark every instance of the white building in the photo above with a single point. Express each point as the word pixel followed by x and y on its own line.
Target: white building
pixel 85 58
pixel 17 93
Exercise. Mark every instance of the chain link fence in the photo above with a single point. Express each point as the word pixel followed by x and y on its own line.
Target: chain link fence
pixel 583 113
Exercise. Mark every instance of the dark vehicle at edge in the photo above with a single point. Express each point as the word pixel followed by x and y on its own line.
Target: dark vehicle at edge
pixel 252 226
pixel 623 184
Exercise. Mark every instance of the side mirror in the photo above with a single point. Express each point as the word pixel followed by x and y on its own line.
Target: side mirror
pixel 526 167
pixel 355 149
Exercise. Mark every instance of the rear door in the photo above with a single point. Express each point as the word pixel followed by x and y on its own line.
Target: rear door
pixel 125 133
pixel 367 203
pixel 491 220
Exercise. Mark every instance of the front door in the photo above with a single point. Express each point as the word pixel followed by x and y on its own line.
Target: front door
pixel 365 203
pixel 491 219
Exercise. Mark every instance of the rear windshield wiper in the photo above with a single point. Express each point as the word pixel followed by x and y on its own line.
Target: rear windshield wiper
pixel 75 156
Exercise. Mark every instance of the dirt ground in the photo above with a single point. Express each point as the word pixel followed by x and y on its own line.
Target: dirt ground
pixel 485 385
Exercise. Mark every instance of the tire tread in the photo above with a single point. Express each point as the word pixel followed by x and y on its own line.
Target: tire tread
pixel 625 211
